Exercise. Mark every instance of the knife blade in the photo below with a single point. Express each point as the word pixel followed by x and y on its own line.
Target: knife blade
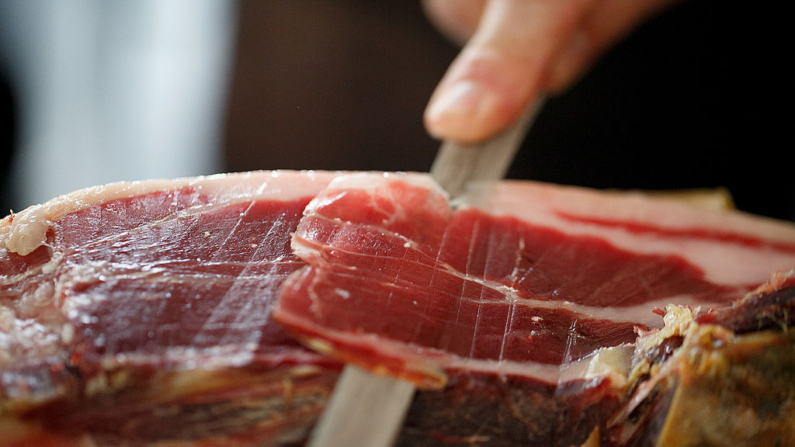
pixel 457 164
pixel 367 409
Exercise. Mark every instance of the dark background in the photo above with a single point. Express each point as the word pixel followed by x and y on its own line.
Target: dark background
pixel 698 97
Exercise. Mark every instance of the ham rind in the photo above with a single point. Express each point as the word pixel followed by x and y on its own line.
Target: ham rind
pixel 527 280
pixel 139 312
pixel 723 377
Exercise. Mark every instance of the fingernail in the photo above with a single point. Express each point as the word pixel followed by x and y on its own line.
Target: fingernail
pixel 460 104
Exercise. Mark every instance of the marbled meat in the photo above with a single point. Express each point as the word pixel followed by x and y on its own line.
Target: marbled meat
pixel 219 310
pixel 539 286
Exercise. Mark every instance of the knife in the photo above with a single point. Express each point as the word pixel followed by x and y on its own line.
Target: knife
pixel 367 409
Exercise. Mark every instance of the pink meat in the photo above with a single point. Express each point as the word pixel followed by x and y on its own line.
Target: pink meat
pixel 529 280
pixel 110 294
pixel 142 313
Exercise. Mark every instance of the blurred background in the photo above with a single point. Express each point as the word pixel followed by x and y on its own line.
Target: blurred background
pixel 94 91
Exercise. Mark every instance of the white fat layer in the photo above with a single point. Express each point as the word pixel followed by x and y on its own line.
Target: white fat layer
pixel 610 362
pixel 370 180
pixel 25 231
pixel 712 240
pixel 614 362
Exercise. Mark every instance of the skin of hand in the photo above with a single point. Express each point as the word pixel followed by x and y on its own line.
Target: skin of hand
pixel 516 49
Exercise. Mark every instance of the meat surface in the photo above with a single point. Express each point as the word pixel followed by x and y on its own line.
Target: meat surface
pixel 529 287
pixel 142 313
pixel 523 280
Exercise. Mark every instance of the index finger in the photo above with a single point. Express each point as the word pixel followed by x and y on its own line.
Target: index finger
pixel 502 67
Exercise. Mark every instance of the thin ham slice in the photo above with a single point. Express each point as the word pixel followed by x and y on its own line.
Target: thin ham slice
pixel 527 280
pixel 142 313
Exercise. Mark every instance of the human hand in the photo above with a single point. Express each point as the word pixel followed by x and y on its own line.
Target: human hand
pixel 515 50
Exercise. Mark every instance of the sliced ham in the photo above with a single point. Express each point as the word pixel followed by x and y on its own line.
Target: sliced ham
pixel 523 305
pixel 142 313
pixel 527 279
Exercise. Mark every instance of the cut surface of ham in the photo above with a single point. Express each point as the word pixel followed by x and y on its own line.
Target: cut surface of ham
pixel 128 308
pixel 143 313
pixel 527 280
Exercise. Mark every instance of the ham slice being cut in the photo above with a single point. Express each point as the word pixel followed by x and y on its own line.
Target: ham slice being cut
pixel 141 313
pixel 535 278
pixel 537 286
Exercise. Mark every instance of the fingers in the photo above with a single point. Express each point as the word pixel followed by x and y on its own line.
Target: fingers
pixel 520 47
pixel 608 22
pixel 456 19
pixel 502 67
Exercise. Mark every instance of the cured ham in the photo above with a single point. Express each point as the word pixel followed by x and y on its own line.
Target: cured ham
pixel 528 287
pixel 140 313
pixel 533 278
pixel 143 313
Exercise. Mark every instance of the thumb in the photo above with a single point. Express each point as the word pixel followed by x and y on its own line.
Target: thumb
pixel 501 68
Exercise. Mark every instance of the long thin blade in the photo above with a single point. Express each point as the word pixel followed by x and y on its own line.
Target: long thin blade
pixel 364 410
pixel 458 164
